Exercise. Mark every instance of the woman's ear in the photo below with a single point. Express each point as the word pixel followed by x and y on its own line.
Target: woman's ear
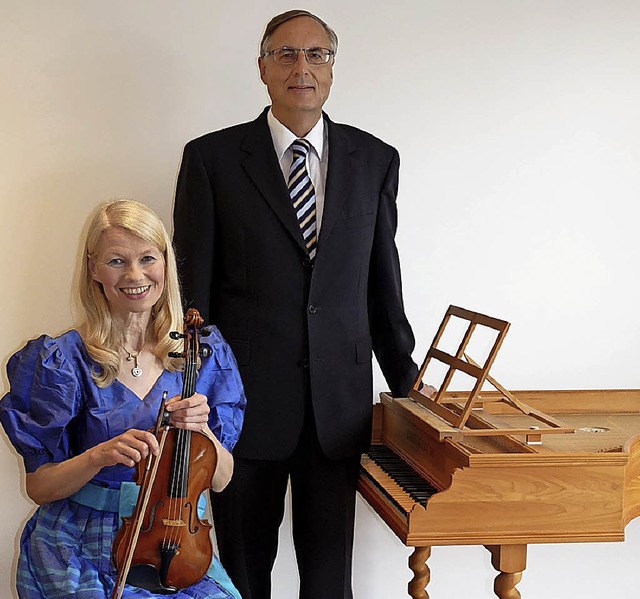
pixel 91 265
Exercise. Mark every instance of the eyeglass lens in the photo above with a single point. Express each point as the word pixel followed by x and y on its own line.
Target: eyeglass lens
pixel 313 55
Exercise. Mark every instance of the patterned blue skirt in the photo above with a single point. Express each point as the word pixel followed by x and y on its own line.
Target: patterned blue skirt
pixel 65 551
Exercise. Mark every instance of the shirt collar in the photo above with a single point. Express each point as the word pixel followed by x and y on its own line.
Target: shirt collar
pixel 283 137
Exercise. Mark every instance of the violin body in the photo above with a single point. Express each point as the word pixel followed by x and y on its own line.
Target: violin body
pixel 174 548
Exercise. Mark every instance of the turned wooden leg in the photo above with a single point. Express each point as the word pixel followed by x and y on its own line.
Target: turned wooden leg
pixel 421 573
pixel 510 561
pixel 504 586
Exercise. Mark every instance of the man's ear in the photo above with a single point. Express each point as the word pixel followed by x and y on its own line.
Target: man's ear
pixel 262 68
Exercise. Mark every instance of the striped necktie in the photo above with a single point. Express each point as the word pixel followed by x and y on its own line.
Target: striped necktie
pixel 303 195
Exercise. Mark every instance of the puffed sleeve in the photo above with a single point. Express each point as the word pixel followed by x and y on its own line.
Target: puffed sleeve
pixel 220 381
pixel 43 398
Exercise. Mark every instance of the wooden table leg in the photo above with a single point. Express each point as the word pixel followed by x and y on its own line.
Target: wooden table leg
pixel 421 573
pixel 510 561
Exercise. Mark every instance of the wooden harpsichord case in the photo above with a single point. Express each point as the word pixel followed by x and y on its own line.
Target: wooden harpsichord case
pixel 487 466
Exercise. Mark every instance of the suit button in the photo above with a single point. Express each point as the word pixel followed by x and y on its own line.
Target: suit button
pixel 313 309
pixel 305 363
pixel 307 263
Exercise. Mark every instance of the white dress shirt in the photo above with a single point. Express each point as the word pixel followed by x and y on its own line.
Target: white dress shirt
pixel 317 158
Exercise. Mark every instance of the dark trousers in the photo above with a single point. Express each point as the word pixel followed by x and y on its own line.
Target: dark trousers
pixel 248 514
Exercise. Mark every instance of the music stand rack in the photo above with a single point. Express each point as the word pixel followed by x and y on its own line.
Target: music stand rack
pixel 451 407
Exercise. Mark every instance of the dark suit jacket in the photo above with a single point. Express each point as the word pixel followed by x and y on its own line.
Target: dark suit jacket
pixel 297 329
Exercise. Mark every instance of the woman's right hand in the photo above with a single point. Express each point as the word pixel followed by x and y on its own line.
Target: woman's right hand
pixel 128 448
pixel 54 481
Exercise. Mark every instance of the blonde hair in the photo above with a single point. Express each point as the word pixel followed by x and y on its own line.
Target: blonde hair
pixel 97 328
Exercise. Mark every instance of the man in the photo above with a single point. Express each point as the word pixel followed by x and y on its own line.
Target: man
pixel 290 251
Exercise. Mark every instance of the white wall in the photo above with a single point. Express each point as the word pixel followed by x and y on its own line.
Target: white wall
pixel 518 127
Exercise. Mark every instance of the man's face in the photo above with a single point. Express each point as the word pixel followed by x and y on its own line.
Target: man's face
pixel 300 87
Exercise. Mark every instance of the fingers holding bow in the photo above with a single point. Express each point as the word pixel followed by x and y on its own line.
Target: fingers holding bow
pixel 128 448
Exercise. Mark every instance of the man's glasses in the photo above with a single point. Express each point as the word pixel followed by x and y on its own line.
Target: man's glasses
pixel 289 56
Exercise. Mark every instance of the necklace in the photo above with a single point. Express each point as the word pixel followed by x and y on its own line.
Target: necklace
pixel 136 370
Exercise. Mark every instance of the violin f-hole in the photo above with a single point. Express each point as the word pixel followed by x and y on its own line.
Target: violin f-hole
pixel 152 515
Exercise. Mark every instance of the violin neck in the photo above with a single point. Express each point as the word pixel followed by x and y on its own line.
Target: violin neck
pixel 179 478
pixel 182 449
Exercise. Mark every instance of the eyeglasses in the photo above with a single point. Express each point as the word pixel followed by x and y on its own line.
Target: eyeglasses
pixel 289 56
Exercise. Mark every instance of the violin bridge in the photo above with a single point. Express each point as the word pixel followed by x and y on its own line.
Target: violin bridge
pixel 177 523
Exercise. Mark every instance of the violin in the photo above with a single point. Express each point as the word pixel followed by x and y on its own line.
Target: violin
pixel 164 546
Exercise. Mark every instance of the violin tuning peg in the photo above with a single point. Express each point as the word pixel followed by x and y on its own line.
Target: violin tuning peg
pixel 205 351
pixel 175 354
pixel 176 335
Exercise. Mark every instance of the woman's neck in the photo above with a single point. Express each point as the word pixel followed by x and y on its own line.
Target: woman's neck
pixel 134 329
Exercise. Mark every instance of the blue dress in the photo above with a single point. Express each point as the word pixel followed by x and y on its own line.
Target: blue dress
pixel 54 411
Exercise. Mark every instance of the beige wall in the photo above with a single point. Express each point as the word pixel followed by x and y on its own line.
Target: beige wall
pixel 517 124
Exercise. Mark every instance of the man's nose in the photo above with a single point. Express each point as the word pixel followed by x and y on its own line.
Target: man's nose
pixel 301 63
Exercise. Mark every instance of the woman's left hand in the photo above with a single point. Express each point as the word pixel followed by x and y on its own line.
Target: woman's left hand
pixel 190 413
pixel 193 413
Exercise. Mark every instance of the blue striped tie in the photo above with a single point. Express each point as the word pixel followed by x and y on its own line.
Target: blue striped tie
pixel 303 195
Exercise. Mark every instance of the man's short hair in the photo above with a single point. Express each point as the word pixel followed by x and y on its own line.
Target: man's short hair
pixel 278 20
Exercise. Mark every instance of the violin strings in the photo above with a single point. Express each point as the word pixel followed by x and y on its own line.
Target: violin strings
pixel 180 474
pixel 186 434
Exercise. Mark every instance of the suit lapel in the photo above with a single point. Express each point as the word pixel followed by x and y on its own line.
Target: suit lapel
pixel 262 167
pixel 339 178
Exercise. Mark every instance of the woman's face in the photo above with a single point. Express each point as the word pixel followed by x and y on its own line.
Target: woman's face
pixel 130 270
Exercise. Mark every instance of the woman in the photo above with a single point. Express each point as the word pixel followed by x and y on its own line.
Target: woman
pixel 80 407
